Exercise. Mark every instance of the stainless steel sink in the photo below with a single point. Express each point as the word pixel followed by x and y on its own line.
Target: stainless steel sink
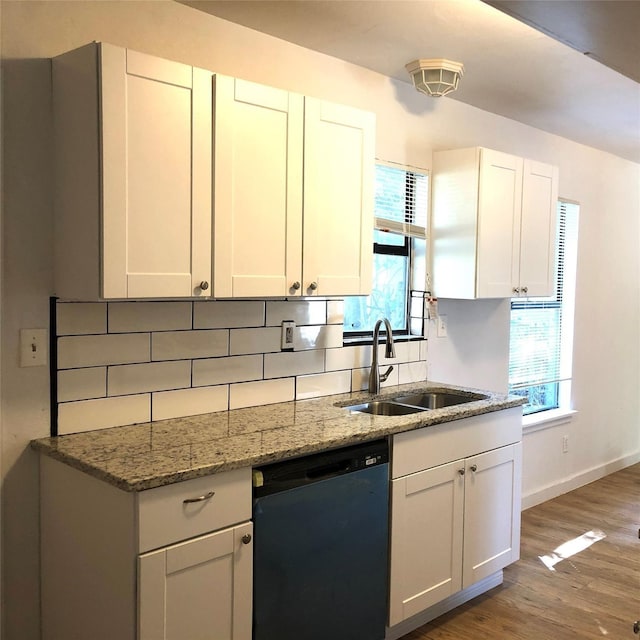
pixel 438 399
pixel 384 408
pixel 414 403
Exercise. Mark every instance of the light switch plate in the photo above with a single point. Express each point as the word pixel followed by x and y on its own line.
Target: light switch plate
pixel 288 332
pixel 442 326
pixel 33 347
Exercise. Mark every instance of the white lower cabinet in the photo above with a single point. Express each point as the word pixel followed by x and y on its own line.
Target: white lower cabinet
pixel 176 562
pixel 455 520
pixel 199 589
pixel 170 563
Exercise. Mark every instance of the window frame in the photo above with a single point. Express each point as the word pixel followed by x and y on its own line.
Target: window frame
pixel 416 275
pixel 564 300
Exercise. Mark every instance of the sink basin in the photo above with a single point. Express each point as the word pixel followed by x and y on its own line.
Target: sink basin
pixel 384 408
pixel 438 399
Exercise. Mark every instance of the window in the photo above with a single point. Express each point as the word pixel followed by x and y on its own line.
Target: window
pixel 541 342
pixel 399 254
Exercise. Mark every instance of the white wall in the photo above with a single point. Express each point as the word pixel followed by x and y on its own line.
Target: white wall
pixel 409 128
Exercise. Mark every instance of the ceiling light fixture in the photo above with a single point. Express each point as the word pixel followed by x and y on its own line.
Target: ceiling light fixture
pixel 436 77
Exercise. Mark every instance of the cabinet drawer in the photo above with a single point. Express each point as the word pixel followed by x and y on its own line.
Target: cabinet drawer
pixel 194 507
pixel 421 449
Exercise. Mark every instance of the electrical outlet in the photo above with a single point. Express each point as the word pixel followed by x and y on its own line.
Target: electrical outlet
pixel 565 444
pixel 286 338
pixel 33 347
pixel 442 326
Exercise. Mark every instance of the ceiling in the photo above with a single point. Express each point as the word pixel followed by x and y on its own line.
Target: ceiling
pixel 576 74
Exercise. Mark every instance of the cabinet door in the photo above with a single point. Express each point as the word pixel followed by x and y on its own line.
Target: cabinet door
pixel 426 539
pixel 156 176
pixel 338 199
pixel 200 589
pixel 538 229
pixel 258 189
pixel 491 512
pixel 499 206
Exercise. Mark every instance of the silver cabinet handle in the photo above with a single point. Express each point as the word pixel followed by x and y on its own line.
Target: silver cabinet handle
pixel 474 467
pixel 204 285
pixel 525 289
pixel 461 472
pixel 516 290
pixel 313 286
pixel 295 285
pixel 246 538
pixel 206 496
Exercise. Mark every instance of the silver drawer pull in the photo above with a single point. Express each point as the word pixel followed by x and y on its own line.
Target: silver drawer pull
pixel 206 496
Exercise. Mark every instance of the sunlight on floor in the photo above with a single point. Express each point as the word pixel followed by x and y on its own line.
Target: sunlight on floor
pixel 571 547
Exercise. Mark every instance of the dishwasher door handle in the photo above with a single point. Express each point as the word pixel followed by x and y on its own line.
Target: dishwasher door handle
pixel 328 470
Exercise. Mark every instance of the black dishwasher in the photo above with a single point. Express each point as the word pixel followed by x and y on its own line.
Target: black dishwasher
pixel 321 545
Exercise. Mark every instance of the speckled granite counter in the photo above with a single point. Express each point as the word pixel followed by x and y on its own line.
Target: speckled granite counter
pixel 143 456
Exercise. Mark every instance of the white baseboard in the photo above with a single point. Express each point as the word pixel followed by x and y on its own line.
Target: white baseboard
pixel 578 480
pixel 407 626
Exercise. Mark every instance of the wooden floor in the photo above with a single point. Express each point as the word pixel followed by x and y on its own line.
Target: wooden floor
pixel 592 594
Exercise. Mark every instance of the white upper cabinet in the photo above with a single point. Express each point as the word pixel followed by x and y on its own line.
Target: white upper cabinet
pixel 537 257
pixel 173 182
pixel 339 163
pixel 293 195
pixel 493 225
pixel 258 189
pixel 133 175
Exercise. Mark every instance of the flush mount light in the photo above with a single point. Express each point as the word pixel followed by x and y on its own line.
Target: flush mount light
pixel 435 77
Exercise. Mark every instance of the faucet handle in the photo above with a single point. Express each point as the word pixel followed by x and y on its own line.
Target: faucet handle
pixel 385 375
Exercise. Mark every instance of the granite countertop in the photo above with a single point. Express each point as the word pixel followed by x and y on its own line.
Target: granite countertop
pixel 153 454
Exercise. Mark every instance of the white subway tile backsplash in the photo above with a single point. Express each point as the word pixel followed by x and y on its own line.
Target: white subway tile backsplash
pixel 262 340
pixel 82 384
pixel 227 314
pixel 92 351
pixel 252 394
pixel 302 312
pixel 335 312
pixel 189 402
pixel 351 357
pixel 89 415
pixel 81 318
pixel 129 317
pixel 393 379
pixel 318 337
pixel 402 351
pixel 293 363
pixel 412 351
pixel 412 372
pixel 153 376
pixel 423 349
pixel 212 371
pixel 360 378
pixel 160 360
pixel 182 345
pixel 323 384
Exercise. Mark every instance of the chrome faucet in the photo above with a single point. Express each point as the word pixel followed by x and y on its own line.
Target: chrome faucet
pixel 374 376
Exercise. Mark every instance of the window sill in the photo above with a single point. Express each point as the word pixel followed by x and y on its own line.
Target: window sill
pixel 364 340
pixel 546 419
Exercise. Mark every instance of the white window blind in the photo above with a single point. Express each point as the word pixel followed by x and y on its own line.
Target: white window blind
pixel 542 328
pixel 401 201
